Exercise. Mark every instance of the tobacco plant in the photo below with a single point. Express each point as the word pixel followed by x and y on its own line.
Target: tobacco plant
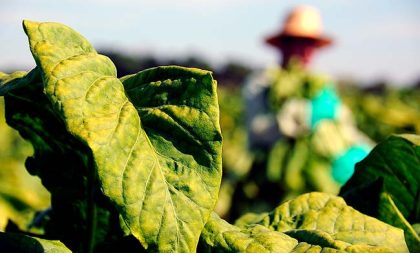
pixel 134 164
pixel 389 181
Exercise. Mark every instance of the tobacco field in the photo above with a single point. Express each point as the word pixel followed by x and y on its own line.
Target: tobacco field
pixel 157 161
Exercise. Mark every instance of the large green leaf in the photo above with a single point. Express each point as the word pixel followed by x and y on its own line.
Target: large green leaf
pixel 396 162
pixel 325 221
pixel 220 236
pixel 17 243
pixel 157 150
pixel 389 183
pixel 81 215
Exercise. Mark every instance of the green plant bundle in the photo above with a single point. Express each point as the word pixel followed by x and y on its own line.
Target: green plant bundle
pixel 303 163
pixel 293 81
pixel 134 164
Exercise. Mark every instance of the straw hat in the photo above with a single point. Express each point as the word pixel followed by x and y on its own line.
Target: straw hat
pixel 302 22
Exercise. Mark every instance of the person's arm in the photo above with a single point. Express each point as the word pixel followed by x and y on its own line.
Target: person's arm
pixel 261 124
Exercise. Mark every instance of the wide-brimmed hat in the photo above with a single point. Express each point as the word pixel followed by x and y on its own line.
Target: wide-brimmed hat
pixel 302 22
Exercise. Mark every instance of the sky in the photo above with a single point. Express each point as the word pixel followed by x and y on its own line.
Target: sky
pixel 374 40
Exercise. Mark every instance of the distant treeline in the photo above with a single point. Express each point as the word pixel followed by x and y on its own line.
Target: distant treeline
pixel 231 74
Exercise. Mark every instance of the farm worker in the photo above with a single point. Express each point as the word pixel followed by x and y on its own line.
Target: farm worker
pixel 299 38
pixel 304 138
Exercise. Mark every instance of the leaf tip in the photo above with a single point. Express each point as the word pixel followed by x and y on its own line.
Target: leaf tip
pixel 28 25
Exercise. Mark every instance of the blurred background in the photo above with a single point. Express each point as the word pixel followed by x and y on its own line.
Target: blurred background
pixel 374 63
pixel 375 40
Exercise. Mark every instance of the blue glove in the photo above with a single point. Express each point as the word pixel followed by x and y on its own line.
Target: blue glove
pixel 324 105
pixel 343 165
